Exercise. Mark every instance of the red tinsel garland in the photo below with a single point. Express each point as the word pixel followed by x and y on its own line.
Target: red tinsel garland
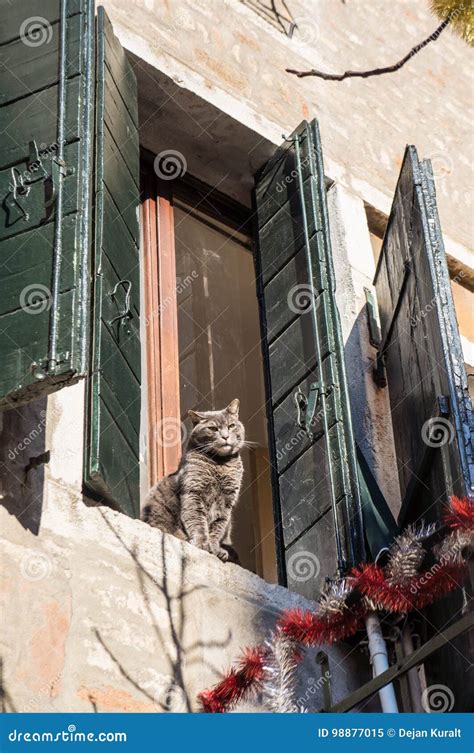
pixel 247 675
pixel 371 589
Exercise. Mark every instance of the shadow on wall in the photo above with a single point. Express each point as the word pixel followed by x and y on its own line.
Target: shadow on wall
pixel 23 454
pixel 6 702
pixel 166 600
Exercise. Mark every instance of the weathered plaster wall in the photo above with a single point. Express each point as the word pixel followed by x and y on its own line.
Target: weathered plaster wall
pixel 231 57
pixel 101 612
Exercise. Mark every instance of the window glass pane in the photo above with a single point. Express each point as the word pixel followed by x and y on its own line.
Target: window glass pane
pixel 220 359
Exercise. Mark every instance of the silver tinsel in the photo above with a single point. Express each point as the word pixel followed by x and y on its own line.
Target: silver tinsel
pixel 406 554
pixel 334 597
pixel 452 548
pixel 278 686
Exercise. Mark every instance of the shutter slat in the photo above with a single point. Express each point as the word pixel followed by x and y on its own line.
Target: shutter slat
pixel 112 457
pixel 39 111
pixel 15 14
pixel 29 67
pixel 316 492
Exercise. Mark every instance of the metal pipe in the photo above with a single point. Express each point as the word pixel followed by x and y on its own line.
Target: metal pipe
pixel 413 677
pixel 379 661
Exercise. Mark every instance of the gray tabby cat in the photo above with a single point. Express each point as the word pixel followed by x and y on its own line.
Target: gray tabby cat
pixel 195 503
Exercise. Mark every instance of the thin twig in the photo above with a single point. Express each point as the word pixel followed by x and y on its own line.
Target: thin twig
pixel 375 71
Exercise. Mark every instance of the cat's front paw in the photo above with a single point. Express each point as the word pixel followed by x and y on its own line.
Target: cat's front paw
pixel 223 554
pixel 204 545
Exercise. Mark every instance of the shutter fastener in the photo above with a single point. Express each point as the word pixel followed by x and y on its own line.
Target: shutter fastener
pixel 306 406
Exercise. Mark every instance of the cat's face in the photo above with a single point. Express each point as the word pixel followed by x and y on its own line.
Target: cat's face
pixel 219 432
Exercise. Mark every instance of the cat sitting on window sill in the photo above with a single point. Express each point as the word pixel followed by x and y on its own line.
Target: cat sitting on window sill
pixel 195 503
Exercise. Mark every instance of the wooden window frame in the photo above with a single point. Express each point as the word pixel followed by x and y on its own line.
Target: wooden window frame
pixel 160 310
pixel 161 325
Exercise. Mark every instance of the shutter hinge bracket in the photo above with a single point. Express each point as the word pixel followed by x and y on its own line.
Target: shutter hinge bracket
pixel 306 405
pixel 35 171
pixel 375 338
pixel 46 367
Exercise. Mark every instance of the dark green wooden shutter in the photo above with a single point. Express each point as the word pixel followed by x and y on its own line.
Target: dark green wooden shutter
pixel 316 492
pixel 112 458
pixel 431 409
pixel 45 157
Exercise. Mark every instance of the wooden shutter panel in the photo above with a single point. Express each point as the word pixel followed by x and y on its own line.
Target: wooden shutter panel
pixel 112 457
pixel 46 123
pixel 316 492
pixel 431 410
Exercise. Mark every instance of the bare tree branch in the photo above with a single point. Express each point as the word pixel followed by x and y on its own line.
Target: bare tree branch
pixel 374 71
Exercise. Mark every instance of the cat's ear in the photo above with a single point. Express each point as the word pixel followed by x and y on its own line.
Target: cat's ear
pixel 195 416
pixel 233 407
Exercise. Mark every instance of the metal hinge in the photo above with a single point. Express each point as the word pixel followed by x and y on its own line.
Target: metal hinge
pixel 45 367
pixel 21 182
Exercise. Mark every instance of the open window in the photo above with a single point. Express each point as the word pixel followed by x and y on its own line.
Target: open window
pixel 202 336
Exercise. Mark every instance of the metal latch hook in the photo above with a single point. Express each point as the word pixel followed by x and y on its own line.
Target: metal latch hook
pixel 126 314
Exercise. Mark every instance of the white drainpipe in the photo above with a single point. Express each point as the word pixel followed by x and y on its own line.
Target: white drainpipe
pixel 379 661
